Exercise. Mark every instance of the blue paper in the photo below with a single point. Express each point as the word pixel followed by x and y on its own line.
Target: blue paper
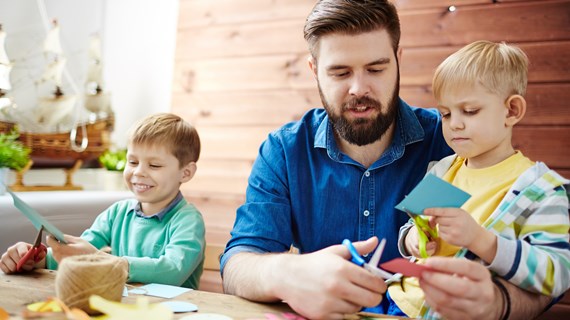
pixel 160 290
pixel 37 220
pixel 433 192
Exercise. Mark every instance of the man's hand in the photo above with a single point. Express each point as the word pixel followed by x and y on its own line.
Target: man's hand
pixel 412 243
pixel 462 289
pixel 75 246
pixel 318 285
pixel 12 256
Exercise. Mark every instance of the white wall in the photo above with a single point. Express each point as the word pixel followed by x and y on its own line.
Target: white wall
pixel 139 38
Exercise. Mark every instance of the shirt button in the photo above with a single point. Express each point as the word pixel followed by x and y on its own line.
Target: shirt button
pixel 366 213
pixel 367 174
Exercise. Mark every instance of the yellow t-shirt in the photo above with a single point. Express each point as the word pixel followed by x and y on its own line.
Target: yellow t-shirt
pixel 487 187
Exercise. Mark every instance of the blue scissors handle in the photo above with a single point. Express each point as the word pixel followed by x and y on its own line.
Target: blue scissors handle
pixel 356 258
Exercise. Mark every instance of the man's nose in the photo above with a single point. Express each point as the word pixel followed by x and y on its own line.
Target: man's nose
pixel 359 86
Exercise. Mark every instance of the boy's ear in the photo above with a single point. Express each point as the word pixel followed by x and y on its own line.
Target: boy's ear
pixel 516 109
pixel 188 172
pixel 313 65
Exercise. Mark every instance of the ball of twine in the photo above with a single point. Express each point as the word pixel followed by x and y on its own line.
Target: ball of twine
pixel 79 277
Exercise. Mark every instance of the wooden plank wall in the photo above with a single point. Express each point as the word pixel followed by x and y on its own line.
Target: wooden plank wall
pixel 241 71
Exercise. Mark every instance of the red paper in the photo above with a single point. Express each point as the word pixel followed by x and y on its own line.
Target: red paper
pixel 405 267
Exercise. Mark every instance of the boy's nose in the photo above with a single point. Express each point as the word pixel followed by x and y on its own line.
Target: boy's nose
pixel 456 123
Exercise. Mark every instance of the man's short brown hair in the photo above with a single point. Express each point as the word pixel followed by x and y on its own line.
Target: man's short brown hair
pixel 351 17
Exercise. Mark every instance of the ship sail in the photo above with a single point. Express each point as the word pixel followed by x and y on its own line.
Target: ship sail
pixel 96 100
pixel 55 109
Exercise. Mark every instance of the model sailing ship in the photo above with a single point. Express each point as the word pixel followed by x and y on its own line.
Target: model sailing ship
pixel 53 129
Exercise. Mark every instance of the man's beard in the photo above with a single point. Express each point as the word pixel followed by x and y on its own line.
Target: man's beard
pixel 363 131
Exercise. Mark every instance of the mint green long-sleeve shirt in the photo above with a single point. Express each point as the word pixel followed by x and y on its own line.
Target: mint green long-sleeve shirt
pixel 168 250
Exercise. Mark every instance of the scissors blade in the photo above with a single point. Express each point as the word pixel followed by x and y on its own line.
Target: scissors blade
pixel 375 259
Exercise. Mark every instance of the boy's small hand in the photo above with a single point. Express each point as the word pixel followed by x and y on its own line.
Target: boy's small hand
pixel 12 256
pixel 75 246
pixel 455 225
pixel 412 243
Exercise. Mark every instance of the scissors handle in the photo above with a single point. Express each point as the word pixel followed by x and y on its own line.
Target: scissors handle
pixel 33 253
pixel 356 258
pixel 425 232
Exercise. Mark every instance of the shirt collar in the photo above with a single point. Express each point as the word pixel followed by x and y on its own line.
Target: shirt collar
pixel 136 208
pixel 408 130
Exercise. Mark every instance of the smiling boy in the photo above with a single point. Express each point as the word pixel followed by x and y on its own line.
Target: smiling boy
pixel 158 233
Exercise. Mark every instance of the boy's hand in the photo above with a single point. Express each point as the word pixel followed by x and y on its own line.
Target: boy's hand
pixel 75 246
pixel 455 225
pixel 412 243
pixel 12 256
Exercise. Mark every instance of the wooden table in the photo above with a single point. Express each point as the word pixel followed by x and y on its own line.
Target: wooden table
pixel 19 290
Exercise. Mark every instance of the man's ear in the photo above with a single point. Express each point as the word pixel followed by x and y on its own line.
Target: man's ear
pixel 188 172
pixel 313 65
pixel 516 109
pixel 399 54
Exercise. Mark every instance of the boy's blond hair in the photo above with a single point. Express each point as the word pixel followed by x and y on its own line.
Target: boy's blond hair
pixel 498 67
pixel 170 131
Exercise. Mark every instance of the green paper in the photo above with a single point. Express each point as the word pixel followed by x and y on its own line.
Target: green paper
pixel 37 220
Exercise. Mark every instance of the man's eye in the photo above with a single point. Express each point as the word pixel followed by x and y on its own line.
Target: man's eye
pixel 340 75
pixel 376 70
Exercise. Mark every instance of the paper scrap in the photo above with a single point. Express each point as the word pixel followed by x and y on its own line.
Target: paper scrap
pixel 160 290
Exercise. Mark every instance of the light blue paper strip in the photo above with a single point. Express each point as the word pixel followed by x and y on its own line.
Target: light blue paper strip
pixel 159 290
pixel 37 220
pixel 433 192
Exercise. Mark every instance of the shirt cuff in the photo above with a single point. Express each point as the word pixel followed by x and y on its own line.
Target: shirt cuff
pixel 505 256
pixel 234 250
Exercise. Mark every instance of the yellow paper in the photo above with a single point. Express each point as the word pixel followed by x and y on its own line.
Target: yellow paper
pixel 142 310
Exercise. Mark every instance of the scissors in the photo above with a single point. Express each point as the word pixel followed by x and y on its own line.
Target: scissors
pixel 372 265
pixel 34 252
pixel 425 232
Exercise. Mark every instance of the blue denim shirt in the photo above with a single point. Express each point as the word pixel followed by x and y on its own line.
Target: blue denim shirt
pixel 303 191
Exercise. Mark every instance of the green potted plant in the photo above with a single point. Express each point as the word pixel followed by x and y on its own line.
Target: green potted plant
pixel 114 161
pixel 13 155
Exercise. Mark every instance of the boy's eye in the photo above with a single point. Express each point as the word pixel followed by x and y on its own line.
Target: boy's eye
pixel 132 162
pixel 155 166
pixel 444 115
pixel 471 112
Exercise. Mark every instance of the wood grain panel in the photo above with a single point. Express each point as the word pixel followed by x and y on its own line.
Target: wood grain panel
pixel 286 71
pixel 245 108
pixel 548 104
pixel 254 39
pixel 229 142
pixel 548 144
pixel 549 62
pixel 227 177
pixel 515 22
pixel 422 4
pixel 215 12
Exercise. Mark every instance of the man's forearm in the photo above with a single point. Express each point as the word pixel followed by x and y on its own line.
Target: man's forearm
pixel 252 276
pixel 525 304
